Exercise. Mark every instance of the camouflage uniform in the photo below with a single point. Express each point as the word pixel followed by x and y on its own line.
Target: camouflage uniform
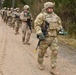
pixel 9 17
pixel 3 12
pixel 51 37
pixel 13 18
pixel 5 15
pixel 26 18
pixel 17 20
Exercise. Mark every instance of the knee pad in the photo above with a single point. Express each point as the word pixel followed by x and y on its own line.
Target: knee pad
pixel 55 52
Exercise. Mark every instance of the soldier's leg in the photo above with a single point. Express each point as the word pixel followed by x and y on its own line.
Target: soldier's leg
pixel 18 27
pixel 4 18
pixel 10 22
pixel 42 50
pixel 23 36
pixel 7 20
pixel 54 48
pixel 14 24
pixel 15 28
pixel 28 36
pixel 46 54
pixel 24 29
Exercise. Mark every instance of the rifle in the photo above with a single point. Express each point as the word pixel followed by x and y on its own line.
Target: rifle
pixel 37 45
pixel 16 16
pixel 44 28
pixel 29 24
pixel 28 20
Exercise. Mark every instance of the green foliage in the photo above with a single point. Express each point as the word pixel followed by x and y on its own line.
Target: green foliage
pixel 8 3
pixel 67 11
pixel 23 2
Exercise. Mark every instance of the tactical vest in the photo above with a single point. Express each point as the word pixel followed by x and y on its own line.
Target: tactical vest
pixel 53 25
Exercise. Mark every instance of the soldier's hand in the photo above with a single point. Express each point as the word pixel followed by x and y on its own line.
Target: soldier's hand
pixel 41 36
pixel 28 17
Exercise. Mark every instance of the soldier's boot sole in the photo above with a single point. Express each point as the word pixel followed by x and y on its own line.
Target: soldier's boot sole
pixel 27 43
pixel 40 66
pixel 15 33
pixel 54 71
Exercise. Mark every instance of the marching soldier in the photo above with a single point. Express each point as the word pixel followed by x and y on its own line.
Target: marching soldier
pixel 17 21
pixel 9 17
pixel 26 18
pixel 13 18
pixel 5 14
pixel 47 24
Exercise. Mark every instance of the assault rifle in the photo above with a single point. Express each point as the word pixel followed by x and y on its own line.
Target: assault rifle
pixel 28 20
pixel 44 28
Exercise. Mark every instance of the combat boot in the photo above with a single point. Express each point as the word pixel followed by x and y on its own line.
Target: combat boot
pixel 54 71
pixel 27 43
pixel 16 33
pixel 23 40
pixel 40 66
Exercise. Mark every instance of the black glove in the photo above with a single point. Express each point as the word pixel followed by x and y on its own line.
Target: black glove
pixel 41 36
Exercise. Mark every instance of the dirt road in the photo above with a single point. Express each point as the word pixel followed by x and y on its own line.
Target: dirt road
pixel 19 59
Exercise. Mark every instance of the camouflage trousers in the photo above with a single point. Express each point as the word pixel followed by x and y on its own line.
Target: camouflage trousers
pixel 9 21
pixel 5 18
pixel 52 43
pixel 17 25
pixel 13 23
pixel 26 32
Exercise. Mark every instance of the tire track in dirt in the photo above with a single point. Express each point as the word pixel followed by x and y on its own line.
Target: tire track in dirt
pixel 3 50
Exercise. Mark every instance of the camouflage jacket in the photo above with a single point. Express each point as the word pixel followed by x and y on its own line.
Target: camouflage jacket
pixel 53 20
pixel 25 16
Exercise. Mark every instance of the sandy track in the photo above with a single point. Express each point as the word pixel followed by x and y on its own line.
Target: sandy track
pixel 19 59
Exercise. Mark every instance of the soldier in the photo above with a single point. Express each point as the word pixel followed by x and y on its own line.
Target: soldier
pixel 9 17
pixel 17 21
pixel 47 24
pixel 26 18
pixel 3 11
pixel 13 18
pixel 5 15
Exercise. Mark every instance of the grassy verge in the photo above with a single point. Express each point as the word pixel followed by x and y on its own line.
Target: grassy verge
pixel 68 41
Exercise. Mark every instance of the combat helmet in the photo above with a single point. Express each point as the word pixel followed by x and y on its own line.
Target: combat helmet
pixel 48 4
pixel 26 7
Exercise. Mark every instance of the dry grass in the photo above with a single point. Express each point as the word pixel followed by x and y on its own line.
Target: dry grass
pixel 68 41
